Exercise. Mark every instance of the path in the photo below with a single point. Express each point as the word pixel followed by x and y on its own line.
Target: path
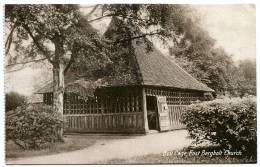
pixel 119 148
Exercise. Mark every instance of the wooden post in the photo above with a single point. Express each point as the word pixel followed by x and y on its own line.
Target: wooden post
pixel 144 108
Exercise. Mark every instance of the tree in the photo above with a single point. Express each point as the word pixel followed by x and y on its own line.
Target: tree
pixel 61 34
pixel 196 52
pixel 246 76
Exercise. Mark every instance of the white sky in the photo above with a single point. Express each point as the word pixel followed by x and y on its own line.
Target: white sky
pixel 233 27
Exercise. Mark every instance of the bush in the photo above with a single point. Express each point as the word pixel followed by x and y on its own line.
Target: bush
pixel 228 123
pixel 34 126
pixel 13 100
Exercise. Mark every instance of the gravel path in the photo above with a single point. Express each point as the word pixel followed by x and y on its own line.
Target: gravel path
pixel 127 147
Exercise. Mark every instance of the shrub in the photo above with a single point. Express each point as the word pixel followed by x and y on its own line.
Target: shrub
pixel 34 126
pixel 13 100
pixel 228 123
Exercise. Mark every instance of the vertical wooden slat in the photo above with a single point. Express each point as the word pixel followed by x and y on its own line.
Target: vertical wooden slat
pixel 144 110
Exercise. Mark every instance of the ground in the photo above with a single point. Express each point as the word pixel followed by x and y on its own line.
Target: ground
pixel 111 147
pixel 156 148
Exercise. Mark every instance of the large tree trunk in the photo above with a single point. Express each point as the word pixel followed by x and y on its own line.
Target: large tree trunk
pixel 58 80
pixel 58 92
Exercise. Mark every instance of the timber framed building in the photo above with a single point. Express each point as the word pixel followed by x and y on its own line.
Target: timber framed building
pixel 150 97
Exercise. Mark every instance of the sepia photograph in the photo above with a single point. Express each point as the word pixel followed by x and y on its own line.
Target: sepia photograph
pixel 130 84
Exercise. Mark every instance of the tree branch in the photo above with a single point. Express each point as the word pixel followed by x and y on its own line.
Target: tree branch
pixel 46 54
pixel 92 11
pixel 25 62
pixel 101 17
pixel 135 37
pixel 9 40
pixel 70 63
pixel 23 65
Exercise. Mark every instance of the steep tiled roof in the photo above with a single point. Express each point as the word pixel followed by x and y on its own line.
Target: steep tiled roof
pixel 158 70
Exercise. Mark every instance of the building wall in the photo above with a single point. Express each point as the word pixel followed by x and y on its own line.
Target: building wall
pixel 111 110
pixel 121 109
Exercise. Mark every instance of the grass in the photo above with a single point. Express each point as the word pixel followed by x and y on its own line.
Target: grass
pixel 184 157
pixel 71 143
pixel 159 159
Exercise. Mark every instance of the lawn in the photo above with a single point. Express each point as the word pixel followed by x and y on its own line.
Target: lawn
pixel 185 156
pixel 159 159
pixel 71 143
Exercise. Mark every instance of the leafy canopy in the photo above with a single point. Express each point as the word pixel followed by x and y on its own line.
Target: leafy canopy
pixel 64 28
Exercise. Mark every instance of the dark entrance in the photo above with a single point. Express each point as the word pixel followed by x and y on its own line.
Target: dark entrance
pixel 152 113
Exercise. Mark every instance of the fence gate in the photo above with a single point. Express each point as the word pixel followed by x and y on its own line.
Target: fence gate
pixel 175 116
pixel 169 115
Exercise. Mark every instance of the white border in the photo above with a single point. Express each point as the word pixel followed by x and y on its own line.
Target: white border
pixel 2 2
pixel 129 1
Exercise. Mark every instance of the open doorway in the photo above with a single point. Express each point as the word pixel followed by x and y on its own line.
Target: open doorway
pixel 152 113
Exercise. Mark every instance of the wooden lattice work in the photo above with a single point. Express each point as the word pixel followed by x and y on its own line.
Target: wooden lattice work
pixel 109 111
pixel 74 104
pixel 175 97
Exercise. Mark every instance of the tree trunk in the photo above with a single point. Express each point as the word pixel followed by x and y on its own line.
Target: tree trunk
pixel 58 92
pixel 58 80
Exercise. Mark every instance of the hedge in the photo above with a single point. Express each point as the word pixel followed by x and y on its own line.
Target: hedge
pixel 230 123
pixel 34 126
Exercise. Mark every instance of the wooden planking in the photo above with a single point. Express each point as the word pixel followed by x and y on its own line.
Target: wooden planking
pixel 104 122
pixel 174 115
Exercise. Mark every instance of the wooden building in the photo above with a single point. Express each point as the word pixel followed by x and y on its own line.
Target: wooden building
pixel 150 96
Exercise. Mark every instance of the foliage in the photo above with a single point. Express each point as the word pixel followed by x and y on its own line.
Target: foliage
pixel 13 100
pixel 62 35
pixel 70 32
pixel 247 78
pixel 33 126
pixel 197 53
pixel 229 123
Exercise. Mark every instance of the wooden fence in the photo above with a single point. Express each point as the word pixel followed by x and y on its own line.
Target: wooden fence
pixel 116 122
pixel 174 116
pixel 106 114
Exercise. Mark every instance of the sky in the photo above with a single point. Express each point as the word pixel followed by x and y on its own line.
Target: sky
pixel 233 27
